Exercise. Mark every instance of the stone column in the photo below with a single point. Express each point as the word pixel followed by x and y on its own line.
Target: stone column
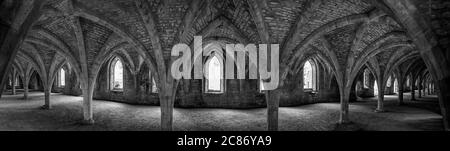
pixel 2 85
pixel 420 87
pixel 273 101
pixel 25 88
pixel 13 85
pixel 345 96
pixel 380 105
pixel 134 94
pixel 167 112
pixel 400 91
pixel 88 91
pixel 167 99
pixel 413 94
pixel 4 88
pixel 47 94
pixel 444 86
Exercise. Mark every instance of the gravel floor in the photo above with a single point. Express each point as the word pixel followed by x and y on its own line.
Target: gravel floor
pixel 25 115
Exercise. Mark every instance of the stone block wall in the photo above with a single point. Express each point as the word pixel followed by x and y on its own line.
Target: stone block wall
pixel 190 93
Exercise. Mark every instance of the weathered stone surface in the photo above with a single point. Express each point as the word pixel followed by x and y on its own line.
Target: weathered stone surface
pixel 398 39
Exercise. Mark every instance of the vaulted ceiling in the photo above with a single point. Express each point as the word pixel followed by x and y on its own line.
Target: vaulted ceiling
pixel 344 33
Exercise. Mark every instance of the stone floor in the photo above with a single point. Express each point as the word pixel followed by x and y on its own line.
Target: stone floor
pixel 19 114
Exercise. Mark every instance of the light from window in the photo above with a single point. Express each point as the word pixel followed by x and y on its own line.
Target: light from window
pixel 62 77
pixel 395 86
pixel 261 86
pixel 407 82
pixel 308 76
pixel 154 87
pixel 389 81
pixel 366 78
pixel 118 74
pixel 214 75
pixel 17 81
pixel 375 88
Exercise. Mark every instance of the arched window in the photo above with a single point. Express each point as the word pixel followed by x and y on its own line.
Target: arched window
pixel 417 82
pixel 407 82
pixel 366 78
pixel 261 86
pixel 153 88
pixel 389 82
pixel 214 69
pixel 17 81
pixel 308 80
pixel 395 86
pixel 117 75
pixel 375 88
pixel 62 77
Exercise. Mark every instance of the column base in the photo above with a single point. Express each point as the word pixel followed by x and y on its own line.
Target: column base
pixel 344 121
pixel 379 111
pixel 45 107
pixel 87 122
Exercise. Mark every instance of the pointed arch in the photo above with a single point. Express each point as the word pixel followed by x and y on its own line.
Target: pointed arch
pixel 309 75
pixel 214 76
pixel 214 68
pixel 86 13
pixel 116 74
pixel 62 77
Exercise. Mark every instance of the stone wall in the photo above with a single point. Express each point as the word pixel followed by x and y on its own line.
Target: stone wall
pixel 190 93
pixel 134 92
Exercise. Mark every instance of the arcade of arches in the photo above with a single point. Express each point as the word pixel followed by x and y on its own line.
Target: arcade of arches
pixel 331 51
